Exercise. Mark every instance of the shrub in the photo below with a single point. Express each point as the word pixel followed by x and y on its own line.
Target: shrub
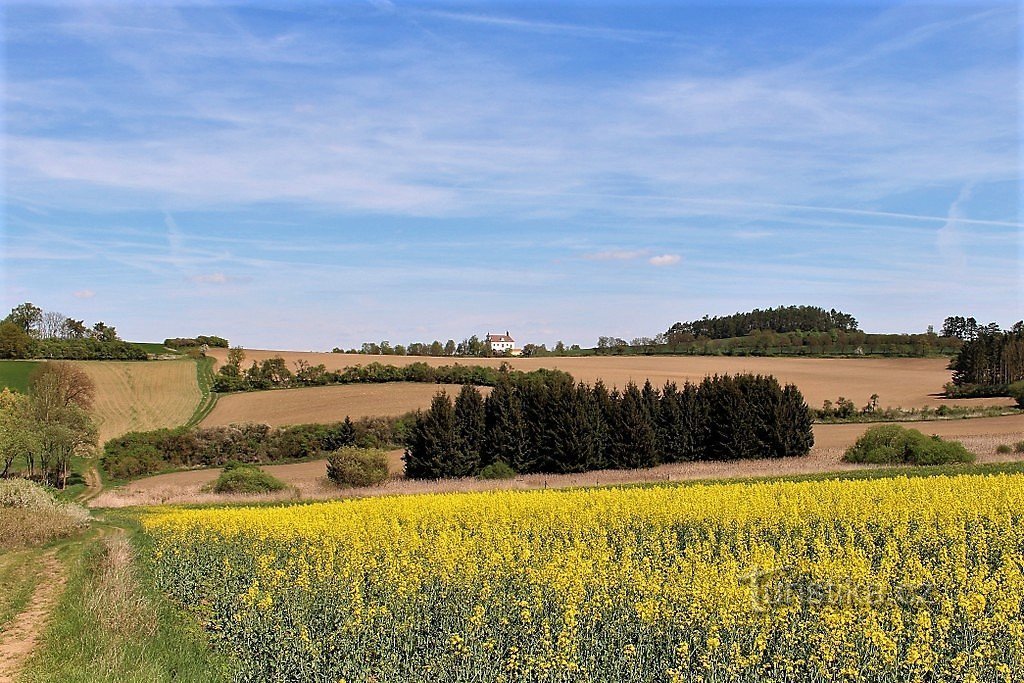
pixel 1018 447
pixel 352 466
pixel 30 515
pixel 1016 391
pixel 246 479
pixel 893 445
pixel 497 470
pixel 1003 448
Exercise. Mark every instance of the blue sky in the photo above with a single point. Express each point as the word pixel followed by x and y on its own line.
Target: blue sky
pixel 304 176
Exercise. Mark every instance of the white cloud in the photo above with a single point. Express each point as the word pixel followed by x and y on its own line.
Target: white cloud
pixel 664 260
pixel 615 255
pixel 84 294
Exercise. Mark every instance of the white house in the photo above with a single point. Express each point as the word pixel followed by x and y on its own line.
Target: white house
pixel 500 343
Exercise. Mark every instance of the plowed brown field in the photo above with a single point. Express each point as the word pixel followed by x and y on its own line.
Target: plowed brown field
pixel 323 404
pixel 899 382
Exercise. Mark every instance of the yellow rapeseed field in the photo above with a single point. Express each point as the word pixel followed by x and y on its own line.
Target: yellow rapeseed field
pixel 901 579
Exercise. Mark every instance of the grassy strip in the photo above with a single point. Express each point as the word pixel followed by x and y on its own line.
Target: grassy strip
pixel 204 376
pixel 908 471
pixel 921 415
pixel 156 348
pixel 18 577
pixel 111 624
pixel 14 374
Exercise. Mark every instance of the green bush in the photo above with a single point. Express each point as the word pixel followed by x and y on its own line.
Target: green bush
pixel 246 479
pixel 352 466
pixel 497 470
pixel 1016 391
pixel 1018 447
pixel 1003 448
pixel 894 445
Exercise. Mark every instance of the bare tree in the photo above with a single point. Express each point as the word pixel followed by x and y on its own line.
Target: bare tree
pixel 56 386
pixel 53 325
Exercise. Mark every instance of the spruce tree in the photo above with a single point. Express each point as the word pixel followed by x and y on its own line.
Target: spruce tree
pixel 433 450
pixel 470 430
pixel 506 439
pixel 635 440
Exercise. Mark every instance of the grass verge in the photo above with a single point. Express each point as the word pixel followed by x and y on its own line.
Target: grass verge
pixel 18 577
pixel 204 376
pixel 112 625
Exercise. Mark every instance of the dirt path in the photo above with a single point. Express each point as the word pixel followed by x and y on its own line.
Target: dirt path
pixel 23 632
pixel 93 484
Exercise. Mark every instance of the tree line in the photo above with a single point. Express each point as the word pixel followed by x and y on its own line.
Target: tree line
pixel 30 332
pixel 274 373
pixel 141 453
pixel 41 431
pixel 550 424
pixel 768 343
pixel 212 341
pixel 989 362
pixel 780 319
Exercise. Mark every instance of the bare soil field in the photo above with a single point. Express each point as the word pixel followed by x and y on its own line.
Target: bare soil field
pixel 142 395
pixel 308 480
pixel 899 382
pixel 280 407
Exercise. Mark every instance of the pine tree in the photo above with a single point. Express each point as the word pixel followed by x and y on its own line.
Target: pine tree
pixel 635 440
pixel 343 434
pixel 433 450
pixel 506 438
pixel 731 434
pixel 470 430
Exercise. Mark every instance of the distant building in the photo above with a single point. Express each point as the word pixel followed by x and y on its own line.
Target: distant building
pixel 501 343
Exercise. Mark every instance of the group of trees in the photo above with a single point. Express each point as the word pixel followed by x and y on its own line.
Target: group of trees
pixel 769 343
pixel 212 341
pixel 41 431
pixel 140 453
pixel 30 332
pixel 966 329
pixel 781 319
pixel 549 424
pixel 385 348
pixel 990 360
pixel 274 373
pixel 470 347
pixel 782 331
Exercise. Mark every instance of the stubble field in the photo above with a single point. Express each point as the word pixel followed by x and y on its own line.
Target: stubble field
pixel 133 396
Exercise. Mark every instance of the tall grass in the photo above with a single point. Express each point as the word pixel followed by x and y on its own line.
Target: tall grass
pixel 111 626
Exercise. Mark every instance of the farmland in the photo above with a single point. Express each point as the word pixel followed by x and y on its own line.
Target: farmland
pixel 322 404
pixel 142 395
pixel 883 580
pixel 308 482
pixel 904 382
pixel 14 374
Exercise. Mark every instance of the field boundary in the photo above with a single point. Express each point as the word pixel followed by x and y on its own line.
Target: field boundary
pixel 208 400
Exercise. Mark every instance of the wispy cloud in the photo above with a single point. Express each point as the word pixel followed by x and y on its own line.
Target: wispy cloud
pixel 615 255
pixel 84 294
pixel 211 279
pixel 363 164
pixel 664 260
pixel 537 26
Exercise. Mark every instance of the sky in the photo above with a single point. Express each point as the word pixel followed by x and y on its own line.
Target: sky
pixel 304 176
